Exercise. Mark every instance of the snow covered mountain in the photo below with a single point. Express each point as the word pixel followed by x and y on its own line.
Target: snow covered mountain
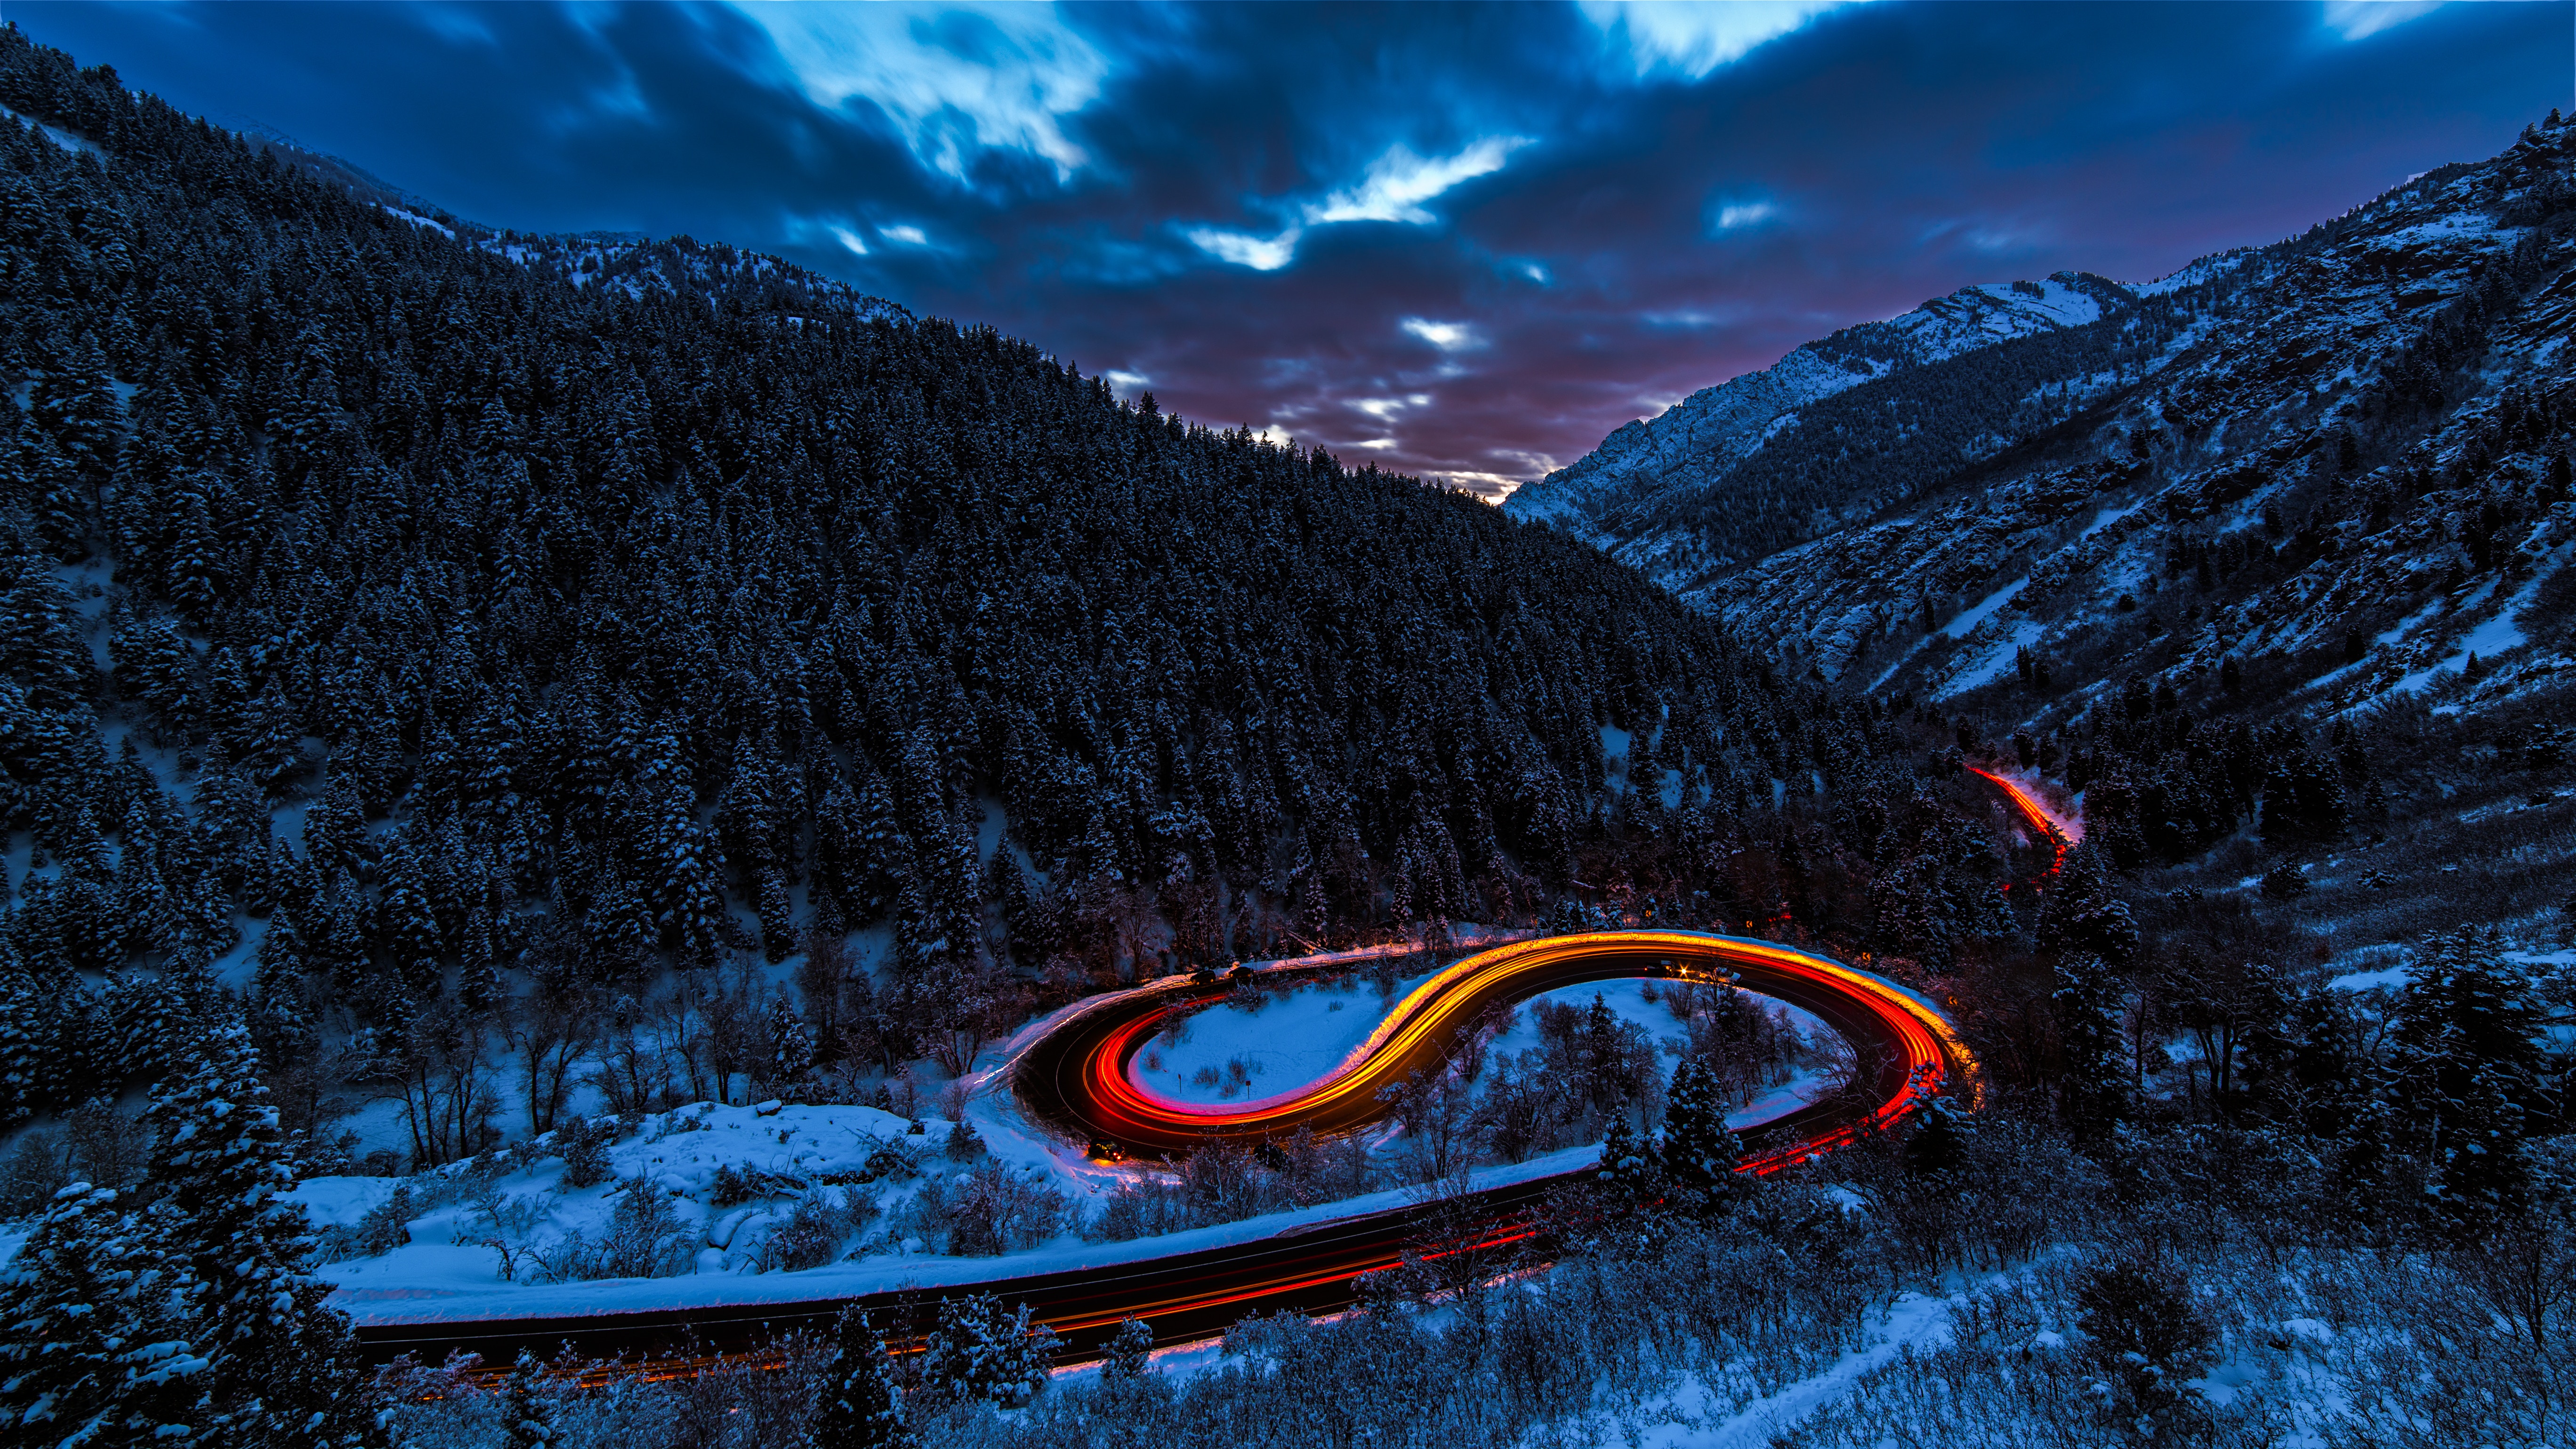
pixel 1647 468
pixel 2368 417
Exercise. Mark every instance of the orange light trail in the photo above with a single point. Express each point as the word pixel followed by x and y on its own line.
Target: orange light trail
pixel 1450 1002
pixel 2032 810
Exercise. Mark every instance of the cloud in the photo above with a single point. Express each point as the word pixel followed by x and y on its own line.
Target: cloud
pixel 1210 195
pixel 911 236
pixel 957 80
pixel 1392 190
pixel 1737 215
pixel 1262 254
pixel 1398 182
pixel 1694 37
pixel 1385 409
pixel 2361 19
pixel 1447 336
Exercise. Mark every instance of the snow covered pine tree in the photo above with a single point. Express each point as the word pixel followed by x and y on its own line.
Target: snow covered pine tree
pixel 859 1407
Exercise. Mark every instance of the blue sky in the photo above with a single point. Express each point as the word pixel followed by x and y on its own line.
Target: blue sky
pixel 1465 242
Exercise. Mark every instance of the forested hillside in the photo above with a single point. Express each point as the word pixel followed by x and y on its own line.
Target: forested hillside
pixel 445 615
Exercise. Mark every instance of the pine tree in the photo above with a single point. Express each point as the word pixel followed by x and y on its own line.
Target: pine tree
pixel 280 1028
pixel 1699 1152
pixel 2092 1091
pixel 2468 1056
pixel 285 1367
pixel 1129 1351
pixel 791 1048
pixel 979 1353
pixel 1939 1143
pixel 859 1407
pixel 777 918
pixel 22 1047
pixel 478 977
pixel 96 1342
pixel 1627 1162
pixel 527 1408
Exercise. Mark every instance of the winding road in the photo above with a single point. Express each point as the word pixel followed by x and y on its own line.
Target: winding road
pixel 1075 1076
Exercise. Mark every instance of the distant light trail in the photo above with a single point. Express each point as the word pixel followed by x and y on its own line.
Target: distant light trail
pixel 2037 812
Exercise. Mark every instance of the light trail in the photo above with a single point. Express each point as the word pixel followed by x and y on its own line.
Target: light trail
pixel 1420 1032
pixel 1075 1074
pixel 2036 811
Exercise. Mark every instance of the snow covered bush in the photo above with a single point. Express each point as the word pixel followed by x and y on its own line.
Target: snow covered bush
pixel 383 1228
pixel 644 1239
pixel 811 1234
pixel 2148 1339
pixel 995 1209
pixel 982 1353
pixel 584 1147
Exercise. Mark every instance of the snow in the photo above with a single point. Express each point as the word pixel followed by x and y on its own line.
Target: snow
pixel 2486 639
pixel 55 134
pixel 417 219
pixel 440 1283
pixel 1281 1041
pixel 2410 623
pixel 447 1273
pixel 1627 1001
pixel 1983 609
pixel 1990 666
pixel 1913 1321
pixel 2107 517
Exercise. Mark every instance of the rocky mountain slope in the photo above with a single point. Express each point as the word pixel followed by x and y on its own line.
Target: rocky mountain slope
pixel 2321 493
pixel 2353 458
pixel 1692 470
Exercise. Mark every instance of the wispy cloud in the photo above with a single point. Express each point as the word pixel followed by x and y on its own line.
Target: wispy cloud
pixel 1262 254
pixel 1398 182
pixel 1393 189
pixel 1737 215
pixel 1692 38
pixel 2361 19
pixel 1447 336
pixel 957 80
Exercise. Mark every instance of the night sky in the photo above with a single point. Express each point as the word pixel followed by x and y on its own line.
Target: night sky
pixel 1466 242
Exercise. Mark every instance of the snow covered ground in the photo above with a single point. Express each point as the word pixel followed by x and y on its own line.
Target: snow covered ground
pixel 872 1169
pixel 1260 1044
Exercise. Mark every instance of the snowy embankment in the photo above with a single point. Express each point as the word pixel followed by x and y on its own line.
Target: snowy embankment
pixel 871 1170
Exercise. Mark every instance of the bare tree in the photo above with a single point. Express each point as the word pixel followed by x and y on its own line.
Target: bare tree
pixel 736 1027
pixel 438 1071
pixel 632 1072
pixel 552 1030
pixel 679 1029
pixel 1441 1133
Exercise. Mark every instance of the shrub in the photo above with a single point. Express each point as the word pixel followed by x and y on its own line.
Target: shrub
pixel 993 1210
pixel 34 1173
pixel 981 1354
pixel 383 1228
pixel 733 1186
pixel 584 1147
pixel 644 1239
pixel 2147 1337
pixel 812 1232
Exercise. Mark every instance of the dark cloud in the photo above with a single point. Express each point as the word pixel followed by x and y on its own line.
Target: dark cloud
pixel 1462 240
